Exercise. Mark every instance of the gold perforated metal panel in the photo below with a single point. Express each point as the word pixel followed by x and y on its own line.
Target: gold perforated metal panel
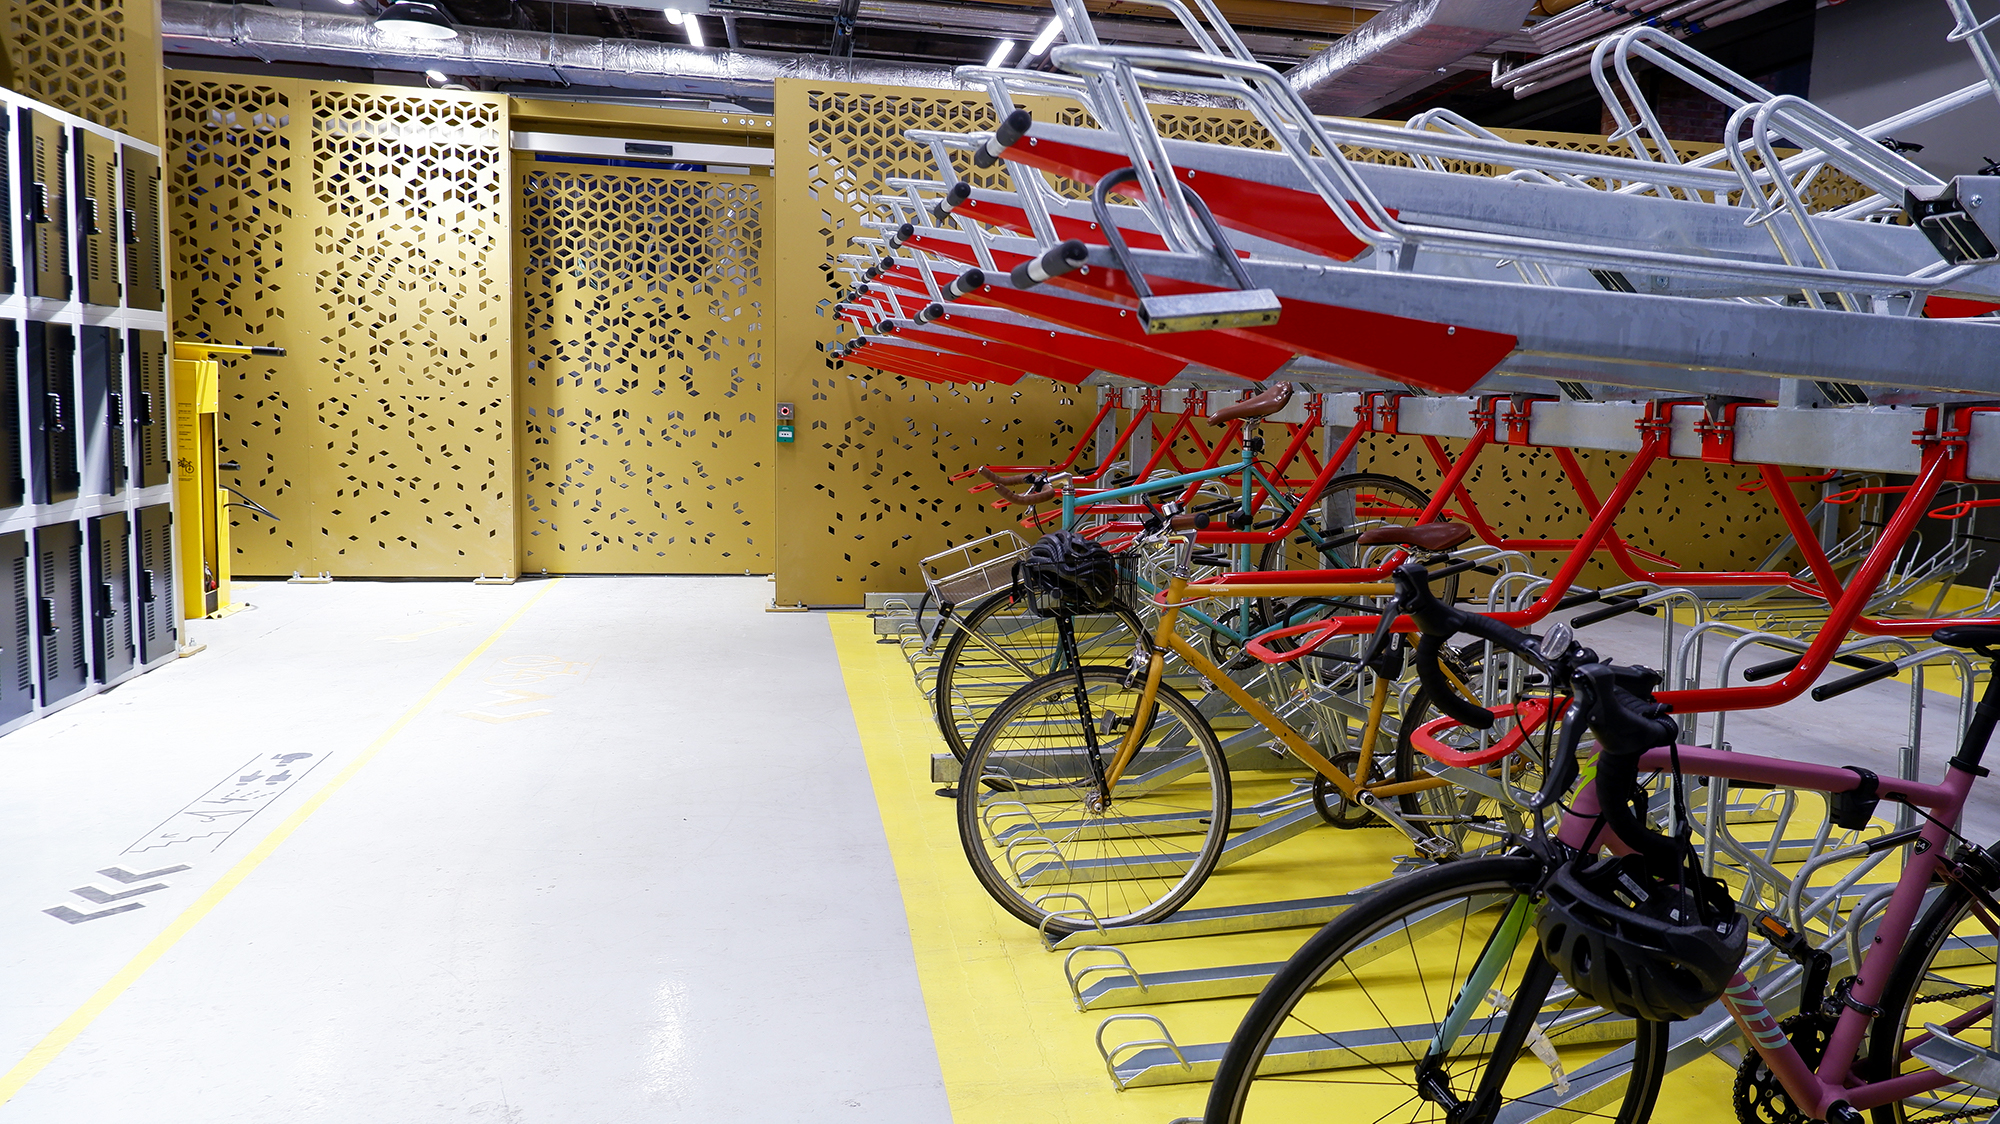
pixel 864 492
pixel 645 386
pixel 98 59
pixel 363 229
pixel 235 196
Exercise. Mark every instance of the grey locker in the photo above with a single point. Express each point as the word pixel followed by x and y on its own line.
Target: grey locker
pixel 17 659
pixel 111 596
pixel 158 625
pixel 6 204
pixel 13 477
pixel 97 218
pixel 146 407
pixel 140 229
pixel 59 566
pixel 103 425
pixel 44 160
pixel 53 468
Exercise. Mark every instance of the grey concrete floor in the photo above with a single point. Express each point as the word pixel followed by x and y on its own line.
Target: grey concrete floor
pixel 626 866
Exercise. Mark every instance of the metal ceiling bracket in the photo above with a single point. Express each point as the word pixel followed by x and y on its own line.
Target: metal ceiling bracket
pixel 1520 411
pixel 1717 427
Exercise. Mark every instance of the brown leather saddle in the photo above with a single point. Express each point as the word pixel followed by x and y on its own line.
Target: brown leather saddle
pixel 1257 406
pixel 1433 537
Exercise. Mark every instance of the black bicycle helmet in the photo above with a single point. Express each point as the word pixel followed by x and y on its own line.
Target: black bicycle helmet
pixel 1065 571
pixel 1653 948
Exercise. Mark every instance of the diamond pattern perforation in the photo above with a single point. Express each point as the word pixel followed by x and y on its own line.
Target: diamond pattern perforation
pixel 75 56
pixel 864 493
pixel 414 486
pixel 412 220
pixel 645 387
pixel 234 212
pixel 362 229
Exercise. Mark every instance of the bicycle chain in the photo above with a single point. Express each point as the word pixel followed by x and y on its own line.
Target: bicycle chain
pixel 1961 1114
pixel 1964 1113
pixel 1946 996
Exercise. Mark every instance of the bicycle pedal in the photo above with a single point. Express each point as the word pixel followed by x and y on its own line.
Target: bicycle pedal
pixel 1960 1060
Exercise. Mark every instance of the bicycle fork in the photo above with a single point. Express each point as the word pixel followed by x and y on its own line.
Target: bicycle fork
pixel 1100 782
pixel 1518 1031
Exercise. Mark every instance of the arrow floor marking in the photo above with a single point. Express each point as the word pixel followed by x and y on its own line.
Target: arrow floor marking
pixel 99 897
pixel 120 874
pixel 65 913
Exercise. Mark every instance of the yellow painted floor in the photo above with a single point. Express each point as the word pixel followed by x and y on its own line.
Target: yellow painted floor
pixel 1010 1041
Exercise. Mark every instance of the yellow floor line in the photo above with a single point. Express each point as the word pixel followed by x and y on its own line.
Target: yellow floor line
pixel 1010 1042
pixel 59 1039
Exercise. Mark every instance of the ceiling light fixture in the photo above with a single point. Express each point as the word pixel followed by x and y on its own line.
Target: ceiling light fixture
pixel 1001 52
pixel 435 75
pixel 415 19
pixel 1044 40
pixel 693 30
pixel 674 15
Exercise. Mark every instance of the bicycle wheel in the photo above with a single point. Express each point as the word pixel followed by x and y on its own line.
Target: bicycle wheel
pixel 1945 975
pixel 1478 806
pixel 1340 1031
pixel 1348 505
pixel 1031 825
pixel 1000 645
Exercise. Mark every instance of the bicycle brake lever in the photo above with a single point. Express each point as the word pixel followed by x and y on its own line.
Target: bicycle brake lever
pixel 1563 771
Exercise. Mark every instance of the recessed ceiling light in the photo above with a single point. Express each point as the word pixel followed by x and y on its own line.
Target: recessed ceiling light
pixel 1001 52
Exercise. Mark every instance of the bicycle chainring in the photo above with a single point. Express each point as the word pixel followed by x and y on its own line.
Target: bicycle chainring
pixel 1334 807
pixel 1758 1096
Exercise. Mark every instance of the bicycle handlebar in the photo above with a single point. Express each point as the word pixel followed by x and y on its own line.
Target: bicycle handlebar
pixel 1614 702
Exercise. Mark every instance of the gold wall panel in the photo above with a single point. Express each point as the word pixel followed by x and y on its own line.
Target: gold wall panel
pixel 99 60
pixel 645 374
pixel 864 492
pixel 234 203
pixel 363 229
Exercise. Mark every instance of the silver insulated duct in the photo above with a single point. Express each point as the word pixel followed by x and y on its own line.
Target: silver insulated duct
pixel 1400 51
pixel 193 27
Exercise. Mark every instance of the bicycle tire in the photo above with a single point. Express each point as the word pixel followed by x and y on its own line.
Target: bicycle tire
pixel 1135 862
pixel 973 675
pixel 1349 499
pixel 1447 811
pixel 1369 972
pixel 1919 980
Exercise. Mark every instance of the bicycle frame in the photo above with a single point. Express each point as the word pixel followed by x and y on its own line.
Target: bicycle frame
pixel 1358 789
pixel 1816 1090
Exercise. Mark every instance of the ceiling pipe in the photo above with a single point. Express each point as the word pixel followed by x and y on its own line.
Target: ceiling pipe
pixel 195 27
pixel 1400 51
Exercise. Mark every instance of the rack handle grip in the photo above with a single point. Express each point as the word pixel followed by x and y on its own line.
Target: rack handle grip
pixel 1858 679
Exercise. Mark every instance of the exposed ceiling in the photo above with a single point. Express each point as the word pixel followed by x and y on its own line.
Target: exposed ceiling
pixel 1498 61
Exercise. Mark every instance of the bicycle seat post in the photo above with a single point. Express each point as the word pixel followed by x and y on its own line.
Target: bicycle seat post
pixel 1984 639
